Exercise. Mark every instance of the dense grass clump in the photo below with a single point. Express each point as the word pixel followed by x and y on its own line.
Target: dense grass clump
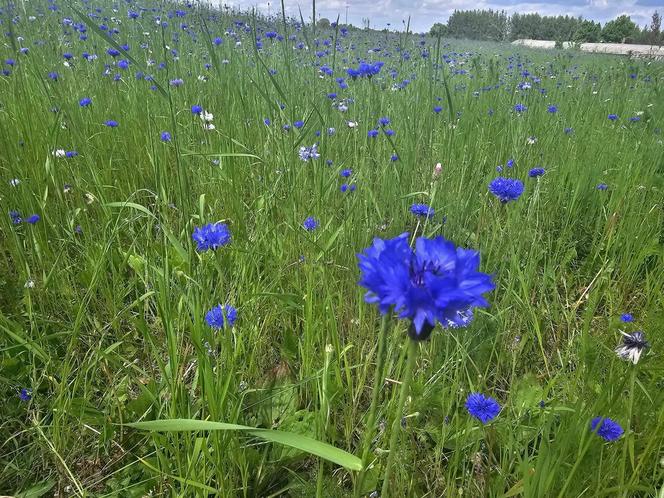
pixel 185 193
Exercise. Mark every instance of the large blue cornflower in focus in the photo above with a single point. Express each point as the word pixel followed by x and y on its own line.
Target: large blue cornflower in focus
pixel 438 282
pixel 506 189
pixel 483 408
pixel 211 236
pixel 219 316
pixel 608 429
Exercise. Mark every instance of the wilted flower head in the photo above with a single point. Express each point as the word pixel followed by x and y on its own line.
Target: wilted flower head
pixel 219 316
pixel 608 429
pixel 431 284
pixel 506 189
pixel 483 408
pixel 632 346
pixel 211 236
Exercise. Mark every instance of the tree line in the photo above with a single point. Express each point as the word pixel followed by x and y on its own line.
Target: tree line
pixel 498 26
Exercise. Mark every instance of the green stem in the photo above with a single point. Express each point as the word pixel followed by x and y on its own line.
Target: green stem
pixel 396 423
pixel 579 459
pixel 377 388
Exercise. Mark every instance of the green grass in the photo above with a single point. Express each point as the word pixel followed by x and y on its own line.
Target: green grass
pixel 113 330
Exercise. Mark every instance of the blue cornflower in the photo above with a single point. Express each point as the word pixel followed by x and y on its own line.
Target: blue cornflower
pixel 535 172
pixel 85 101
pixel 33 219
pixel 394 158
pixel 177 82
pixel 626 317
pixel 165 136
pixel 10 62
pixel 552 109
pixel 568 130
pixel 196 109
pixel 602 186
pixel 15 217
pixel 123 63
pixel 438 282
pixel 510 163
pixel 267 122
pixel 608 429
pixel 53 75
pixel 613 117
pixel 310 224
pixel 113 52
pixel 211 236
pixel 307 153
pixel 422 210
pixel 372 133
pixel 220 315
pixel 111 123
pixel 437 109
pixel 520 108
pixel 218 41
pixel 298 124
pixel 345 173
pixel 635 119
pixel 483 408
pixel 25 394
pixel 506 189
pixel 389 132
pixel 344 187
pixel 71 153
pixel 384 121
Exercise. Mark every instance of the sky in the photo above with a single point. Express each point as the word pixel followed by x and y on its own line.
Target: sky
pixel 424 13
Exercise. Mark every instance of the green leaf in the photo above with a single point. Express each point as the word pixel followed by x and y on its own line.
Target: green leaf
pixel 304 443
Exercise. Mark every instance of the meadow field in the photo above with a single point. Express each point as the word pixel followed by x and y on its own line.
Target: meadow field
pixel 205 289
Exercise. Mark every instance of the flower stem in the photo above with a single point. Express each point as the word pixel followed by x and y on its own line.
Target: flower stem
pixel 377 388
pixel 396 423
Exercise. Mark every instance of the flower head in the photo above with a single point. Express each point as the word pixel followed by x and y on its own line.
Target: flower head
pixel 613 117
pixel 432 284
pixel 25 394
pixel 345 173
pixel 165 136
pixel 220 315
pixel 111 123
pixel 422 210
pixel 85 101
pixel 33 219
pixel 211 236
pixel 506 189
pixel 602 186
pixel 608 429
pixel 307 153
pixel 535 172
pixel 520 108
pixel 632 346
pixel 483 408
pixel 310 224
pixel 626 317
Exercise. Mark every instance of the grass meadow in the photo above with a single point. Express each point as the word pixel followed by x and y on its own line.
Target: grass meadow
pixel 306 389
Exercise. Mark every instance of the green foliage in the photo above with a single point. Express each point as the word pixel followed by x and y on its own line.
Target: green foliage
pixel 620 30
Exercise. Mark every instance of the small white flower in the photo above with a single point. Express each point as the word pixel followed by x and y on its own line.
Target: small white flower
pixel 632 346
pixel 66 64
pixel 208 126
pixel 89 198
pixel 32 18
pixel 14 182
pixel 352 124
pixel 206 117
pixel 29 284
pixel 532 140
pixel 225 61
pixel 59 153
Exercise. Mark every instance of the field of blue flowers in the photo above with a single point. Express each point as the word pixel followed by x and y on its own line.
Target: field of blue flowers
pixel 249 256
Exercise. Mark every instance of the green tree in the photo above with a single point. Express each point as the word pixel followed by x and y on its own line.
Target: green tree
pixel 323 23
pixel 656 29
pixel 588 32
pixel 438 29
pixel 620 30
